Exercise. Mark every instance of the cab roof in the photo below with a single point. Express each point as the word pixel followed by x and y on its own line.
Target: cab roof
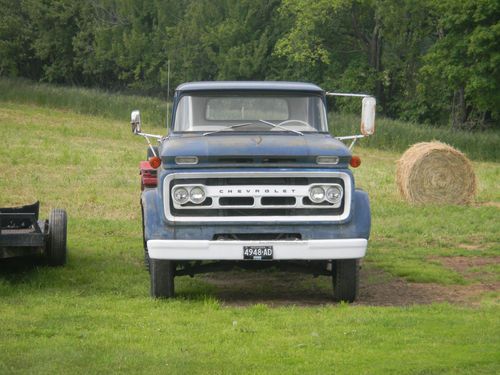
pixel 250 86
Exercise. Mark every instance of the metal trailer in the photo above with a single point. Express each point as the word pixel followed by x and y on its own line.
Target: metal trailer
pixel 22 234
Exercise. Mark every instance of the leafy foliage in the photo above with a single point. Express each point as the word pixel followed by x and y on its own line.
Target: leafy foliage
pixel 465 61
pixel 428 61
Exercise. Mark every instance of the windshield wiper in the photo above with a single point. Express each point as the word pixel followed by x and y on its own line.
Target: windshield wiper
pixel 281 127
pixel 228 128
pixel 250 123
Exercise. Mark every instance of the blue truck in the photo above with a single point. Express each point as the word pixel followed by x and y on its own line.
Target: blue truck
pixel 249 176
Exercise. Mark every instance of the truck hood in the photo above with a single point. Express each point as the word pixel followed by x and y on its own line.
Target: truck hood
pixel 248 149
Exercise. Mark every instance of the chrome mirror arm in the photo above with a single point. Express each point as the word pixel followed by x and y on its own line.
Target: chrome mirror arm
pixel 147 136
pixel 353 137
pixel 150 135
pixel 328 93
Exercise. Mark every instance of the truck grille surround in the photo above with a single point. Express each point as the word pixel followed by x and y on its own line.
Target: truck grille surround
pixel 257 197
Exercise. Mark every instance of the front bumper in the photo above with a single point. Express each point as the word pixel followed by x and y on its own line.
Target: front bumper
pixel 352 248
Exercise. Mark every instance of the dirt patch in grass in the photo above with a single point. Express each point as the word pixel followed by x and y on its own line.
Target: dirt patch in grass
pixel 488 204
pixel 471 247
pixel 483 270
pixel 464 264
pixel 399 292
pixel 377 288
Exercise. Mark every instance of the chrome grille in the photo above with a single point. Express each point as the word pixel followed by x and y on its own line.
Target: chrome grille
pixel 257 197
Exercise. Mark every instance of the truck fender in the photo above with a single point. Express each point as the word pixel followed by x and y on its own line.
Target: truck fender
pixel 361 213
pixel 152 213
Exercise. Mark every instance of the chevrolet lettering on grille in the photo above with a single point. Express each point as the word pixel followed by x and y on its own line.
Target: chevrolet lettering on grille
pixel 255 191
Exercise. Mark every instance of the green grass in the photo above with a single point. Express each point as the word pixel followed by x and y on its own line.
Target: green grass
pixel 112 105
pixel 394 135
pixel 95 315
pixel 391 135
pixel 404 238
pixel 107 334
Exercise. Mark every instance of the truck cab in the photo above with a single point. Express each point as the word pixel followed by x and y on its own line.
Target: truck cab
pixel 249 176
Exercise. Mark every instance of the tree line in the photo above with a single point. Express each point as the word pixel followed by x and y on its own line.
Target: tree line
pixel 427 61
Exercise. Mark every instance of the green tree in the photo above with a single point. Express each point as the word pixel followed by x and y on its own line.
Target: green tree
pixel 361 45
pixel 464 63
pixel 54 24
pixel 17 56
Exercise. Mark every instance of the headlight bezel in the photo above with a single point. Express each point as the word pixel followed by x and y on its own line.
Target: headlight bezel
pixel 177 189
pixel 340 194
pixel 202 192
pixel 320 189
pixel 325 188
pixel 189 191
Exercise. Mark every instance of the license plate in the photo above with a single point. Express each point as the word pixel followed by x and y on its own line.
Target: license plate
pixel 257 252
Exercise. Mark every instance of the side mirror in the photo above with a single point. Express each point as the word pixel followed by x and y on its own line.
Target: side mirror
pixel 135 121
pixel 368 115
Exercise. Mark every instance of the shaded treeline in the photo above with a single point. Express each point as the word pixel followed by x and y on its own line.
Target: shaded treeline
pixel 430 61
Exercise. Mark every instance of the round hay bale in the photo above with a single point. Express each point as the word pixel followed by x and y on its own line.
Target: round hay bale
pixel 434 172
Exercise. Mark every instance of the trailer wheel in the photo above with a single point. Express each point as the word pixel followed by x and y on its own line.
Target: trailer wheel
pixel 55 248
pixel 162 274
pixel 345 280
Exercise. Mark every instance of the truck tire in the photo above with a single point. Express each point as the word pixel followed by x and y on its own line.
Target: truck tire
pixel 145 246
pixel 162 274
pixel 147 261
pixel 55 248
pixel 345 279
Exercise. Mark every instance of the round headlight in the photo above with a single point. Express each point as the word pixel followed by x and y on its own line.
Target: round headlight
pixel 197 195
pixel 181 195
pixel 317 194
pixel 334 194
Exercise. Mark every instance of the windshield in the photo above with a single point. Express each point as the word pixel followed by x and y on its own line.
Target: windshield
pixel 262 112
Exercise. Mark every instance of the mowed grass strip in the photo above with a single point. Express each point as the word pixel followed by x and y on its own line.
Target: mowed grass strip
pixel 107 334
pixel 95 315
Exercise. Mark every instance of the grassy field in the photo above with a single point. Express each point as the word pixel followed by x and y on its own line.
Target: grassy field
pixel 392 135
pixel 95 315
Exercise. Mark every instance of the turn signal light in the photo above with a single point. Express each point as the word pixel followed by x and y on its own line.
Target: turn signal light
pixel 154 161
pixel 355 161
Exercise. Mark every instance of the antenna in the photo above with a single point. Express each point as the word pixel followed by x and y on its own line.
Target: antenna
pixel 168 90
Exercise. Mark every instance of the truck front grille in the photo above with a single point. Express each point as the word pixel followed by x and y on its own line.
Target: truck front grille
pixel 257 197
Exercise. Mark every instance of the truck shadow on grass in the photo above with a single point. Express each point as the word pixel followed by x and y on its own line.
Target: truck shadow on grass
pixel 377 288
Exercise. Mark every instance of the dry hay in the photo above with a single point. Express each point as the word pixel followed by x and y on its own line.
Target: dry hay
pixel 434 172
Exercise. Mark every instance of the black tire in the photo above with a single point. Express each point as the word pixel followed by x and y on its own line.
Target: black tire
pixel 146 254
pixel 345 280
pixel 55 248
pixel 162 273
pixel 150 153
pixel 147 261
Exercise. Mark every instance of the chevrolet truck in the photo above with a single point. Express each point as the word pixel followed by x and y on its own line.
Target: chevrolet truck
pixel 249 176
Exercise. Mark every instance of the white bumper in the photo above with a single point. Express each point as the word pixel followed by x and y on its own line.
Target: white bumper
pixel 352 248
